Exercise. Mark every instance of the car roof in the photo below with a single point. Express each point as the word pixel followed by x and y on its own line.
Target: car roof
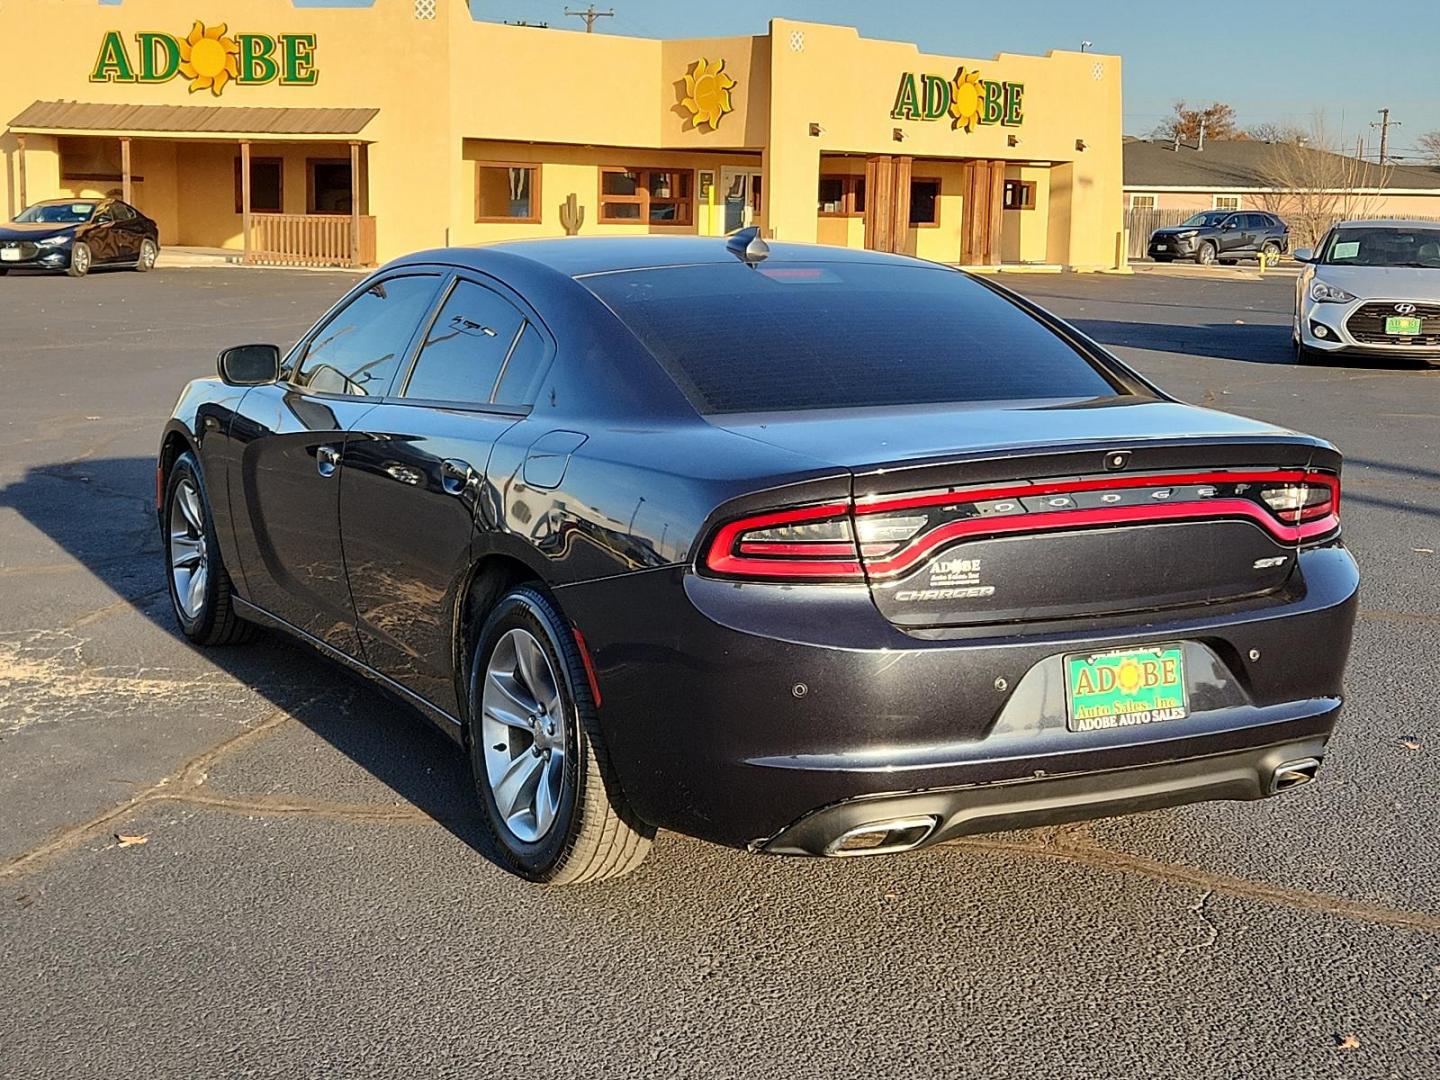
pixel 1389 223
pixel 77 198
pixel 581 256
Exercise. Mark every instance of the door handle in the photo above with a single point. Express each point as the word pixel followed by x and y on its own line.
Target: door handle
pixel 327 459
pixel 456 476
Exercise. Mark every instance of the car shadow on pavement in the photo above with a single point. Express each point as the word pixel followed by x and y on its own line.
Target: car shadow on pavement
pixel 1251 343
pixel 387 739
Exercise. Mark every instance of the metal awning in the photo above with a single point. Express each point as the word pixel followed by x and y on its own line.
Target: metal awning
pixel 191 121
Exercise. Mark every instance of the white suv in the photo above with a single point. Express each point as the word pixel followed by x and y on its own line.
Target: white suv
pixel 1371 288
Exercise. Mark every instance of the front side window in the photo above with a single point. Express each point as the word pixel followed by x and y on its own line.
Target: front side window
pixel 799 336
pixel 924 202
pixel 359 350
pixel 70 213
pixel 465 347
pixel 506 192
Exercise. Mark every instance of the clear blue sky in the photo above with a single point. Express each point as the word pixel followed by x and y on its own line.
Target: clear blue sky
pixel 1277 60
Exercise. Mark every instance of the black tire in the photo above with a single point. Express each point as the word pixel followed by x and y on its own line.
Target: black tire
pixel 215 621
pixel 1271 250
pixel 594 836
pixel 1163 258
pixel 1307 357
pixel 1206 254
pixel 4 270
pixel 145 261
pixel 1228 262
pixel 80 259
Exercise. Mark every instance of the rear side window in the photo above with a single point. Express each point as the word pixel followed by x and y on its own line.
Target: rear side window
pixel 466 346
pixel 797 336
pixel 362 346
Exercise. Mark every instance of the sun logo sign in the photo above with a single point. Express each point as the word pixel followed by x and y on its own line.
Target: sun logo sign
pixel 707 93
pixel 209 57
pixel 967 100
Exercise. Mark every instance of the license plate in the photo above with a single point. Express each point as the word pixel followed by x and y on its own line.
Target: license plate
pixel 1402 326
pixel 9 254
pixel 1126 688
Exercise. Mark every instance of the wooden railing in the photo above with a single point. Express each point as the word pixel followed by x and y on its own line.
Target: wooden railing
pixel 309 240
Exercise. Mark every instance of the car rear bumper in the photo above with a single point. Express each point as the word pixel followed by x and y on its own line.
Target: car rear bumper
pixel 732 712
pixel 884 823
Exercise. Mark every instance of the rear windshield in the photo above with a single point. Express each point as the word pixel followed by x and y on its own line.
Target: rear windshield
pixel 841 335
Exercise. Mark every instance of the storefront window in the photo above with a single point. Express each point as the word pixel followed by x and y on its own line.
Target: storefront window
pixel 267 187
pixel 924 202
pixel 506 192
pixel 328 187
pixel 842 196
pixel 1019 195
pixel 659 196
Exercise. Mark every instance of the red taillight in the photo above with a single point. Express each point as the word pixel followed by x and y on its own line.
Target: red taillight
pixel 895 533
pixel 816 543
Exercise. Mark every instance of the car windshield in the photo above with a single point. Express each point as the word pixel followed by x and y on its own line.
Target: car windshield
pixel 1207 217
pixel 793 336
pixel 69 213
pixel 1383 246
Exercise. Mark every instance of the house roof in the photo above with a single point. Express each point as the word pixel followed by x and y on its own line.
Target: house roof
pixel 195 120
pixel 1234 163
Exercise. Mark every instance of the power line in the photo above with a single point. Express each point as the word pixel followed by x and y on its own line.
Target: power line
pixel 590 15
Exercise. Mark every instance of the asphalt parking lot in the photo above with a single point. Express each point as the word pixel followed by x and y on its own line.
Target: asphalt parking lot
pixel 247 863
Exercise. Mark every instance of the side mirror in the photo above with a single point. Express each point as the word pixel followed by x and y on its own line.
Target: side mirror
pixel 1303 255
pixel 249 365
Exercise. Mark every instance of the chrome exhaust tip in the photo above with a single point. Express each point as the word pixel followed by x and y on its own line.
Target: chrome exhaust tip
pixel 882 837
pixel 1292 774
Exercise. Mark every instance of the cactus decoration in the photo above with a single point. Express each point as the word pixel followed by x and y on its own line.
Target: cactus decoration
pixel 572 215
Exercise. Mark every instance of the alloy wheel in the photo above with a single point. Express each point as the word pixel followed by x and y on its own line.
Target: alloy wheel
pixel 80 259
pixel 189 554
pixel 525 733
pixel 147 255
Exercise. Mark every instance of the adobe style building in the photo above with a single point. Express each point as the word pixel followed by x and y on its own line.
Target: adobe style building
pixel 327 135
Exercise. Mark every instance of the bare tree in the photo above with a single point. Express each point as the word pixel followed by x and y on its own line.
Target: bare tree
pixel 1429 145
pixel 1217 117
pixel 1312 184
pixel 1275 132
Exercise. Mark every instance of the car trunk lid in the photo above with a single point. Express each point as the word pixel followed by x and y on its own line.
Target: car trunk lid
pixel 1045 513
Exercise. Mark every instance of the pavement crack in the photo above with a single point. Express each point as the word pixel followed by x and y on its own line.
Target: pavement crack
pixel 1209 930
pixel 74 835
pixel 1094 857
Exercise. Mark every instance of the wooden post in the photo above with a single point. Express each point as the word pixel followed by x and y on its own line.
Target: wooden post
pixel 127 189
pixel 20 142
pixel 245 196
pixel 354 204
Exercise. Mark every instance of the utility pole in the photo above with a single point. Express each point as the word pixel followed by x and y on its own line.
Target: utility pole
pixel 1385 125
pixel 1201 145
pixel 590 15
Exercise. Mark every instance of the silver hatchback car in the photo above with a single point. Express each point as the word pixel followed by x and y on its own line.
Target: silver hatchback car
pixel 1372 288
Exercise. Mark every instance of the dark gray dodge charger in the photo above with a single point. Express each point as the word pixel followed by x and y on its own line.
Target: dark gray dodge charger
pixel 799 549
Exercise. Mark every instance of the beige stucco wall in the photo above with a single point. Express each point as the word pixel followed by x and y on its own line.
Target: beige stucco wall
pixel 451 91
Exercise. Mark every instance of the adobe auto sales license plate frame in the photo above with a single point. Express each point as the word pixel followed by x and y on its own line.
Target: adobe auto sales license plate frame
pixel 1125 688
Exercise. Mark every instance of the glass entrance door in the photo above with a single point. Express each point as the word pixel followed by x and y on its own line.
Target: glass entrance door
pixel 740 194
